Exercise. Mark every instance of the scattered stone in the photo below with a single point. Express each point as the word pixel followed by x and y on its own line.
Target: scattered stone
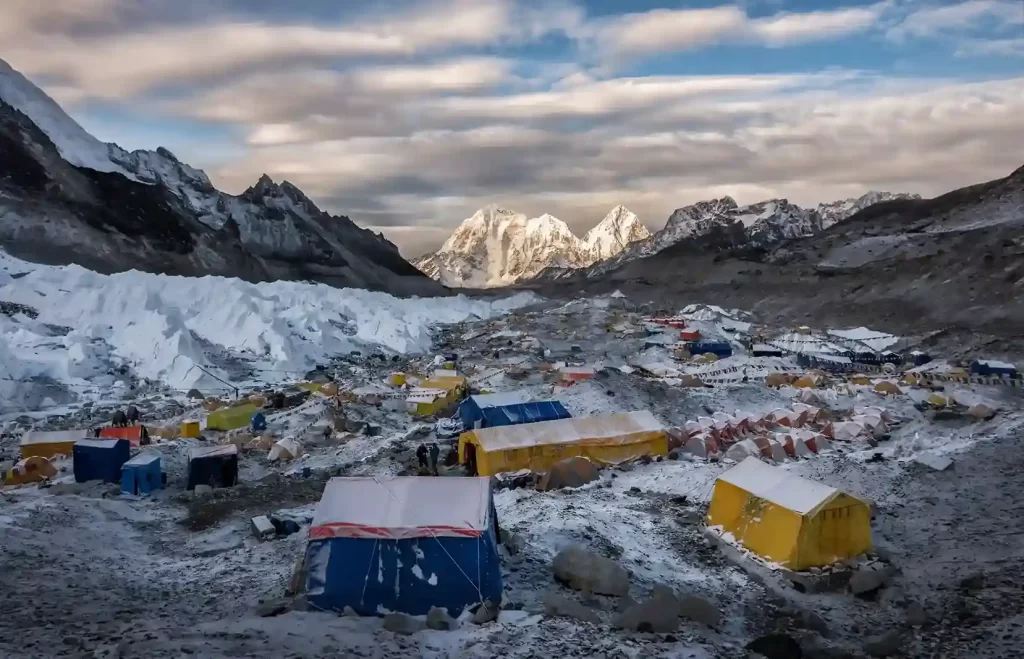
pixel 776 646
pixel 884 645
pixel 401 623
pixel 487 612
pixel 195 394
pixel 815 622
pixel 659 615
pixel 584 570
pixel 349 612
pixel 936 462
pixel 515 543
pixel 202 490
pixel 866 582
pixel 700 610
pixel 916 615
pixel 438 618
pixel 558 606
pixel 973 581
pixel 262 528
pixel 272 608
pixel 571 472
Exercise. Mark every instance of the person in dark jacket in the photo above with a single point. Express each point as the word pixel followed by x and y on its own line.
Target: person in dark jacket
pixel 133 415
pixel 421 455
pixel 435 452
pixel 120 419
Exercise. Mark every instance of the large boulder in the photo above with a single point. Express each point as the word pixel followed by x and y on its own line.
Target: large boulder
pixel 699 610
pixel 659 614
pixel 401 623
pixel 438 618
pixel 571 472
pixel 584 570
pixel 559 606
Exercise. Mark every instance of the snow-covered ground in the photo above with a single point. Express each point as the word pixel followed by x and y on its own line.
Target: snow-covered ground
pixel 72 326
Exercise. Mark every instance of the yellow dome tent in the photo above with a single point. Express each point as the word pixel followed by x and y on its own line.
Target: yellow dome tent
pixel 886 387
pixel 795 522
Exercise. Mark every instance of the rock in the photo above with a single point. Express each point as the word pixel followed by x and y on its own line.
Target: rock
pixel 299 604
pixel 690 517
pixel 584 570
pixel 273 608
pixel 815 622
pixel 515 543
pixel 400 623
pixel 262 528
pixel 776 646
pixel 487 612
pixel 659 615
pixel 673 454
pixel 916 615
pixel 973 581
pixel 195 394
pixel 936 462
pixel 349 612
pixel 438 618
pixel 700 610
pixel 558 606
pixel 866 582
pixel 884 645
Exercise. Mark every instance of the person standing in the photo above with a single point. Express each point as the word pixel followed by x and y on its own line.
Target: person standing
pixel 435 452
pixel 421 455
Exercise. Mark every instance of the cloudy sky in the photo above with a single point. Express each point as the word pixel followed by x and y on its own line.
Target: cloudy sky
pixel 407 116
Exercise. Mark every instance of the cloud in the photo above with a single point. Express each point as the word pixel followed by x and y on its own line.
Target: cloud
pixel 958 18
pixel 670 30
pixel 991 47
pixel 122 65
pixel 810 141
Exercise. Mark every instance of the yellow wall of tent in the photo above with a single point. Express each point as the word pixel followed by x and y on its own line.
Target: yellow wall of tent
pixel 230 418
pixel 608 439
pixel 838 528
pixel 35 444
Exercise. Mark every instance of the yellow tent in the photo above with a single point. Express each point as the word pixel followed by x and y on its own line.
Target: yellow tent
pixel 46 444
pixel 804 382
pixel 30 470
pixel 606 439
pixel 427 402
pixel 230 418
pixel 886 387
pixel 789 520
pixel 860 379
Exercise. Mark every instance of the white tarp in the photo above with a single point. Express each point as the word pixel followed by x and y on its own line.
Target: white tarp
pixel 402 507
pixel 501 399
pixel 567 431
pixel 53 436
pixel 778 486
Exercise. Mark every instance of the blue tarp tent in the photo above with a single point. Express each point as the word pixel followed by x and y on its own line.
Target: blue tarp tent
pixel 403 544
pixel 141 475
pixel 100 459
pixel 508 409
pixel 992 367
pixel 720 349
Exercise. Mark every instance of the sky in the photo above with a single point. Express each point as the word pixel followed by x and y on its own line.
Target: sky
pixel 408 116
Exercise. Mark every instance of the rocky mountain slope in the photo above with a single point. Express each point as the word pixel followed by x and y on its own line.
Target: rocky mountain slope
pixel 66 197
pixel 497 247
pixel 954 263
pixel 721 222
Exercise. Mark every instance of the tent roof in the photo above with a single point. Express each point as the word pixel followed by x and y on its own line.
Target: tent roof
pixel 778 486
pixel 992 363
pixel 402 507
pixel 100 443
pixel 501 399
pixel 567 431
pixel 213 451
pixel 143 459
pixel 53 436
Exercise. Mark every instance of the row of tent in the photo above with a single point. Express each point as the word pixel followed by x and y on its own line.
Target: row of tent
pixel 106 460
pixel 51 443
pixel 408 544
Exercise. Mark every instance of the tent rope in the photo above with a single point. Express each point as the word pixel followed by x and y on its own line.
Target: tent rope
pixel 366 579
pixel 439 544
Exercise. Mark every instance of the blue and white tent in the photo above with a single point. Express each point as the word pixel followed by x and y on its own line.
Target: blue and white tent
pixel 100 459
pixel 403 544
pixel 508 409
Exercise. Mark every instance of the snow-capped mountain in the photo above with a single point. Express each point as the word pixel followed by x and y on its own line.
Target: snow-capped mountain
pixel 67 197
pixel 724 223
pixel 497 247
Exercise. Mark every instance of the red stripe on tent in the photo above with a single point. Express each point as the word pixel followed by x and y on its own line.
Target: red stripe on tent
pixel 350 530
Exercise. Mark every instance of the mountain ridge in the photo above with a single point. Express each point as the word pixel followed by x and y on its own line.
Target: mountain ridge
pixel 497 246
pixel 66 197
